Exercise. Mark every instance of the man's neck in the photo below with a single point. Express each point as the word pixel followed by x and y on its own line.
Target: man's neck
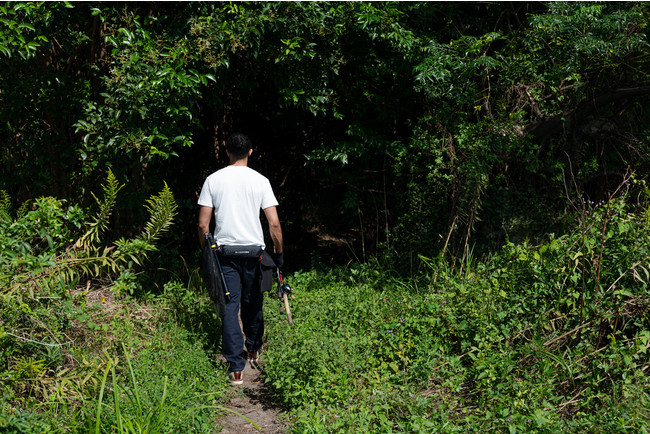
pixel 242 162
pixel 239 161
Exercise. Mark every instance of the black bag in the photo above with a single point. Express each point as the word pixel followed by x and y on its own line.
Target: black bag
pixel 212 277
pixel 242 252
pixel 267 265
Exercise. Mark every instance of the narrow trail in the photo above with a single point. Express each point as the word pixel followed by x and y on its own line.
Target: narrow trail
pixel 254 400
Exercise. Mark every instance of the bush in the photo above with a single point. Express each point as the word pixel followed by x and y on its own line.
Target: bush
pixel 78 354
pixel 536 338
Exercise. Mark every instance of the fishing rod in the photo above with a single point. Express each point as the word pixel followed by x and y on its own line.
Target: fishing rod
pixel 284 291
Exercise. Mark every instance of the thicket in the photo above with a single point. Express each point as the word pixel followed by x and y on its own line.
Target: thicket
pixel 442 142
pixel 85 347
pixel 549 337
pixel 536 337
pixel 401 127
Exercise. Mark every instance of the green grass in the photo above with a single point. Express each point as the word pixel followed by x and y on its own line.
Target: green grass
pixel 537 338
pixel 144 372
pixel 545 338
pixel 85 345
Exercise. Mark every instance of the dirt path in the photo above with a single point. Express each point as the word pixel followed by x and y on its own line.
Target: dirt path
pixel 254 400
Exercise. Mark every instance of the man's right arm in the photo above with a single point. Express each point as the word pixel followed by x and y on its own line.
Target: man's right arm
pixel 205 216
pixel 275 228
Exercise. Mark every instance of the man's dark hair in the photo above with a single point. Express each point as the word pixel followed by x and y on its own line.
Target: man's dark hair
pixel 238 145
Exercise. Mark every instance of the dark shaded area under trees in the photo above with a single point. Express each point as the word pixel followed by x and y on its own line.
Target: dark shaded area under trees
pixel 387 129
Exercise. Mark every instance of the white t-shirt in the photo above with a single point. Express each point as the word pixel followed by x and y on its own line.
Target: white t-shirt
pixel 237 194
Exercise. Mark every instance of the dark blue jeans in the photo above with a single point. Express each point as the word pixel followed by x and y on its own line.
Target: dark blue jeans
pixel 243 280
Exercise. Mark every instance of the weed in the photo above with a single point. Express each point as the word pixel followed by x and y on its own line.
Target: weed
pixel 69 330
pixel 535 338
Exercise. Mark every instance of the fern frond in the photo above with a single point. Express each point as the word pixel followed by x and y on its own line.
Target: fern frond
pixel 100 223
pixel 132 250
pixel 88 259
pixel 22 211
pixel 162 208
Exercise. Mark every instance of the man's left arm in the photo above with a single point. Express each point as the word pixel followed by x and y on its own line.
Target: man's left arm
pixel 275 230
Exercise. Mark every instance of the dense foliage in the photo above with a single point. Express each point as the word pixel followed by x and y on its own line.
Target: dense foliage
pixel 536 338
pixel 400 127
pixel 79 356
pixel 488 162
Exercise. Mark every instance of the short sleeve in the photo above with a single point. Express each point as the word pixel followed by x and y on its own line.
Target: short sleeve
pixel 268 199
pixel 205 198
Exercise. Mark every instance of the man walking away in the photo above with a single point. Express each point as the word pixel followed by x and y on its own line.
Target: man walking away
pixel 234 195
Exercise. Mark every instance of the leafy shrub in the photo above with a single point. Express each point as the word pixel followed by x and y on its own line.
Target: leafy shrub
pixel 535 338
pixel 64 311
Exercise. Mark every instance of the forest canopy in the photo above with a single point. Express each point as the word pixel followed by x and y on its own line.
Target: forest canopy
pixel 386 128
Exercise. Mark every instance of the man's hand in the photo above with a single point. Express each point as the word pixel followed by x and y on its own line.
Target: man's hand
pixel 278 258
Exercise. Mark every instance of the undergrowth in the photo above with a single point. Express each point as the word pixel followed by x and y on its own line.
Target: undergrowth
pixel 84 345
pixel 537 338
